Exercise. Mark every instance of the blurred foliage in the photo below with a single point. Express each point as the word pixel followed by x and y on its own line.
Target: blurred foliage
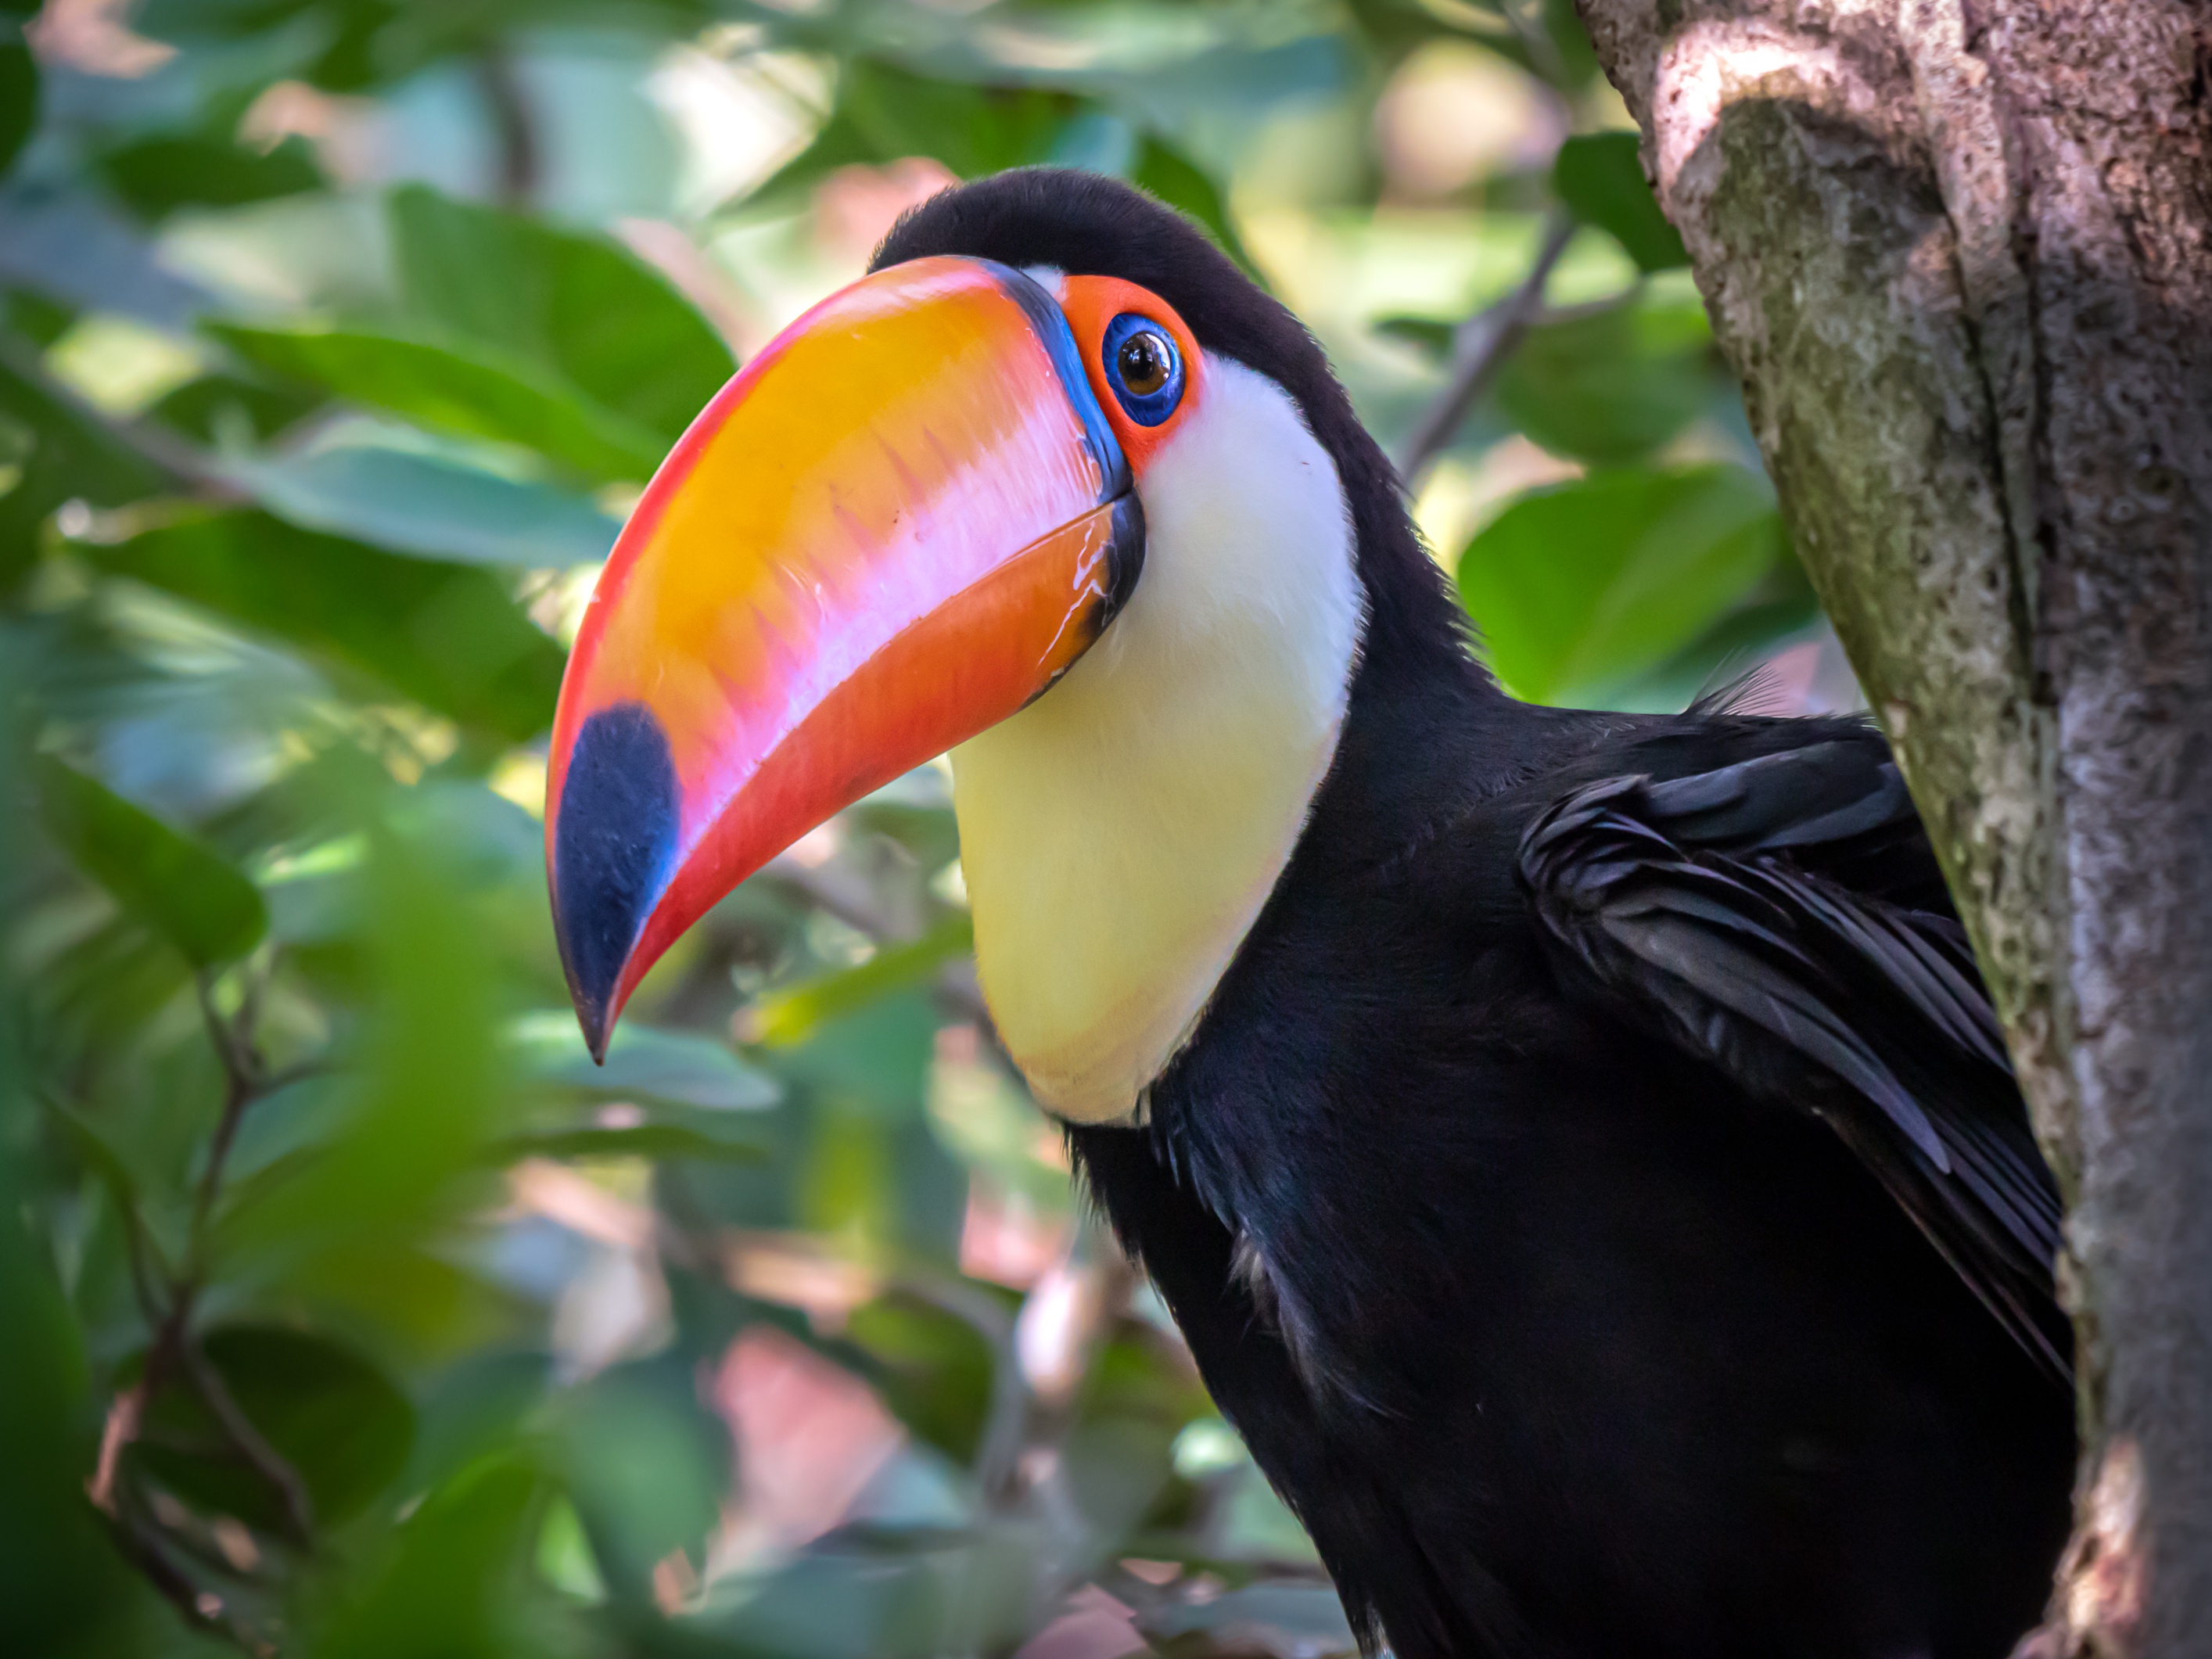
pixel 1598 177
pixel 351 1309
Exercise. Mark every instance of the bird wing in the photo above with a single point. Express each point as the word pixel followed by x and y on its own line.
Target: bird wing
pixel 1713 908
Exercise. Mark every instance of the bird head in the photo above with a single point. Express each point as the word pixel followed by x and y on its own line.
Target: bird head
pixel 1044 489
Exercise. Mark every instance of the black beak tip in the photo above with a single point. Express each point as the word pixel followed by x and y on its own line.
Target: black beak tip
pixel 598 1029
pixel 613 842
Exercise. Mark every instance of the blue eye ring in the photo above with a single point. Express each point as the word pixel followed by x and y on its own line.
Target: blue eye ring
pixel 1141 335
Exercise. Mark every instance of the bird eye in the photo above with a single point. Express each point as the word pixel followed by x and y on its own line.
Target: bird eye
pixel 1143 363
pixel 1144 368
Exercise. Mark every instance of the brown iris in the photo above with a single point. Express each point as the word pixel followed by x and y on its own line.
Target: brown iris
pixel 1144 362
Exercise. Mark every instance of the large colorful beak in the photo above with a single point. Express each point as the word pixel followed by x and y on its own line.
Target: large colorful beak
pixel 903 520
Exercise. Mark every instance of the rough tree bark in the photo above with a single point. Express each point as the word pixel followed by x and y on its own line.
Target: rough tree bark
pixel 1960 253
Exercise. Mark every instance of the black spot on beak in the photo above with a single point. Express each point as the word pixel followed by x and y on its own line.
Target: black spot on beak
pixel 1125 560
pixel 612 845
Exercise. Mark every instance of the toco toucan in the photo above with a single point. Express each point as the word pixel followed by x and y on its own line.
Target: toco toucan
pixel 1576 1146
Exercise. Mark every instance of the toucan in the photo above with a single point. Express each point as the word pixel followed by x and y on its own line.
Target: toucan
pixel 1576 1146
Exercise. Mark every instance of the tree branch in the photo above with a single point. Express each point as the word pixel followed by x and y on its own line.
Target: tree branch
pixel 1982 403
pixel 1480 347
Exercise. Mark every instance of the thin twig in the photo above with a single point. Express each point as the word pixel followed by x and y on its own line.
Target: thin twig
pixel 173 1345
pixel 126 1413
pixel 137 1248
pixel 1553 315
pixel 245 1081
pixel 957 994
pixel 1529 23
pixel 823 894
pixel 508 103
pixel 143 1551
pixel 1480 348
pixel 156 446
pixel 998 1447
pixel 242 1081
pixel 954 993
pixel 322 1065
pixel 267 1461
pixel 204 1610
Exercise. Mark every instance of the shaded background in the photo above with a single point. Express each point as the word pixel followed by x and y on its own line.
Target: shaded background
pixel 344 1307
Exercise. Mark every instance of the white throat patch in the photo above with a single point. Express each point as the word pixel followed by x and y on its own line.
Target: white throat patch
pixel 1120 835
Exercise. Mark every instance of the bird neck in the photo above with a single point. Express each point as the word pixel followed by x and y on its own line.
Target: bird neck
pixel 1119 835
pixel 1427 732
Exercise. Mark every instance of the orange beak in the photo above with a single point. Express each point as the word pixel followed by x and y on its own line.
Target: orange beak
pixel 901 521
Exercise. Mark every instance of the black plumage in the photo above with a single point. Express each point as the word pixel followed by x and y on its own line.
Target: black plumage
pixel 1595 1190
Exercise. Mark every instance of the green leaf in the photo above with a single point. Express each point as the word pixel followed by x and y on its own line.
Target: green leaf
pixel 581 307
pixel 217 408
pixel 1599 177
pixel 789 1017
pixel 885 115
pixel 340 1423
pixel 564 1555
pixel 17 444
pixel 1116 1469
pixel 183 890
pixel 155 175
pixel 1611 388
pixel 680 1096
pixel 1176 179
pixel 1432 337
pixel 474 392
pixel 642 1064
pixel 446 635
pixel 421 504
pixel 973 129
pixel 71 456
pixel 39 318
pixel 1268 1617
pixel 98 1156
pixel 19 97
pixel 873 1051
pixel 454 1585
pixel 473 1408
pixel 647 1466
pixel 654 1142
pixel 65 1590
pixel 1782 606
pixel 287 1123
pixel 933 1370
pixel 1586 584
pixel 348 1226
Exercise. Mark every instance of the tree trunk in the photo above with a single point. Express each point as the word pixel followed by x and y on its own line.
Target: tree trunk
pixel 1960 253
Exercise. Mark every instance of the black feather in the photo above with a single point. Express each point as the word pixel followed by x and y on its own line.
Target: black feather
pixel 1729 952
pixel 1650 1253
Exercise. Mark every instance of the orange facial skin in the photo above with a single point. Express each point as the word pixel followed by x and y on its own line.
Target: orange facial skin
pixel 900 522
pixel 1091 303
